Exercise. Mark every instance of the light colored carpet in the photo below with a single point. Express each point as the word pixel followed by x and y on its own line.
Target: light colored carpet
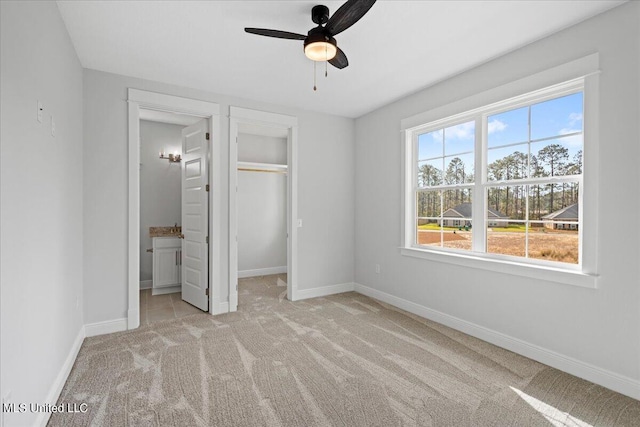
pixel 343 360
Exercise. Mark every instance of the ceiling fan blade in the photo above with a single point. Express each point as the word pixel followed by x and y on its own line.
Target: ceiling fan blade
pixel 340 60
pixel 347 15
pixel 275 33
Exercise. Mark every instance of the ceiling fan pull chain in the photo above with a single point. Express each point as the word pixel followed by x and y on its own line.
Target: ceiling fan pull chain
pixel 314 76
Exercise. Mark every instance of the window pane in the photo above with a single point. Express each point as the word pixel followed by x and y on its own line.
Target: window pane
pixel 430 145
pixel 548 199
pixel 557 116
pixel 458 200
pixel 457 239
pixel 458 169
pixel 507 238
pixel 428 232
pixel 550 243
pixel 508 127
pixel 428 204
pixel 537 202
pixel 557 157
pixel 430 173
pixel 429 212
pixel 459 138
pixel 507 163
pixel 505 203
pixel 554 202
pixel 456 219
pixel 506 215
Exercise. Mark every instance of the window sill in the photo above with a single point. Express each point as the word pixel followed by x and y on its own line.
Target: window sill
pixel 550 274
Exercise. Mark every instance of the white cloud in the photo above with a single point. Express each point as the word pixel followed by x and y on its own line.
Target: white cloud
pixel 575 118
pixel 437 135
pixel 496 125
pixel 462 131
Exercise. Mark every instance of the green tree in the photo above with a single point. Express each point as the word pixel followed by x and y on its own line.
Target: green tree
pixel 555 157
pixel 455 174
pixel 428 203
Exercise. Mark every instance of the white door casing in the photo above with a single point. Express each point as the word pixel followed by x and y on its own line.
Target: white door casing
pixel 195 214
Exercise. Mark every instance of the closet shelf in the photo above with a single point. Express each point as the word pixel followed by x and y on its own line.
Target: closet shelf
pixel 261 167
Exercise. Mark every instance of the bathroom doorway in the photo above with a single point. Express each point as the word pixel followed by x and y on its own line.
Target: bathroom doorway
pixel 162 257
pixel 170 155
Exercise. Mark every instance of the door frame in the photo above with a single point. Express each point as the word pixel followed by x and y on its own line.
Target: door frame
pixel 141 99
pixel 239 116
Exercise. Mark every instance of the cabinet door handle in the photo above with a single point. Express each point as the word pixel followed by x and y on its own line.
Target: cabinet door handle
pixel 176 257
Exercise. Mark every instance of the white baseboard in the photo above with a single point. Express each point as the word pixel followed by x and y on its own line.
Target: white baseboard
pixel 621 384
pixel 61 379
pixel 262 272
pixel 106 327
pixel 146 284
pixel 321 291
pixel 167 290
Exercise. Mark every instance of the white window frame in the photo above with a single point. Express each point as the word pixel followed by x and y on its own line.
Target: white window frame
pixel 579 76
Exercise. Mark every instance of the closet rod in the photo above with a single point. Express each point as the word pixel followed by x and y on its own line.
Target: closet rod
pixel 261 170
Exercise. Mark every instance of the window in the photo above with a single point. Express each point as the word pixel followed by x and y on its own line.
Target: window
pixel 444 189
pixel 503 181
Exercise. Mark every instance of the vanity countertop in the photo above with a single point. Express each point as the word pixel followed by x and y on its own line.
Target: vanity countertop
pixel 165 231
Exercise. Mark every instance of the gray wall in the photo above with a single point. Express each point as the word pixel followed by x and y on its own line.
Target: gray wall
pixel 40 201
pixel 160 185
pixel 601 326
pixel 325 180
pixel 262 149
pixel 262 205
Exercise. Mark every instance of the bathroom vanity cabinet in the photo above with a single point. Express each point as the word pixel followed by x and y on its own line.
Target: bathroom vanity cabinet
pixel 167 265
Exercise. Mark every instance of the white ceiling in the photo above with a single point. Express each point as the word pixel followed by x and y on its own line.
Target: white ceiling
pixel 398 48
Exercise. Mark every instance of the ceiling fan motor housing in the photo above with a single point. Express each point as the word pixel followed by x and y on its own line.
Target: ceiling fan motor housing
pixel 320 14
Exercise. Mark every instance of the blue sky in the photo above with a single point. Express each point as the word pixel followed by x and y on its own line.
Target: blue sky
pixel 556 117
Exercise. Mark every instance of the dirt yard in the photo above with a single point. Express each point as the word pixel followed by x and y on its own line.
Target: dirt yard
pixel 550 245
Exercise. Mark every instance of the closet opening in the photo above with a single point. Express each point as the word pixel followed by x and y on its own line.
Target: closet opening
pixel 262 204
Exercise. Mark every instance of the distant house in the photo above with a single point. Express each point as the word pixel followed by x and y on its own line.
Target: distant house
pixel 455 217
pixel 554 219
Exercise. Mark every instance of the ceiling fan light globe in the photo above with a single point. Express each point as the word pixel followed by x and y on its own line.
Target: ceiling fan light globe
pixel 320 51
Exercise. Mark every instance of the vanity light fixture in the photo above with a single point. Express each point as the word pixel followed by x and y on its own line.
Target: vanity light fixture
pixel 173 158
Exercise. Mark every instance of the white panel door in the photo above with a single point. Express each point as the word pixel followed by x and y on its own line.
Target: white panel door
pixel 195 213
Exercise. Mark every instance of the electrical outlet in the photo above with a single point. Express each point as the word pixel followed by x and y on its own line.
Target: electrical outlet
pixel 377 268
pixel 39 112
pixel 299 223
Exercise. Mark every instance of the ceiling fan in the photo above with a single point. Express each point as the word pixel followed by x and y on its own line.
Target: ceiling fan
pixel 320 43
